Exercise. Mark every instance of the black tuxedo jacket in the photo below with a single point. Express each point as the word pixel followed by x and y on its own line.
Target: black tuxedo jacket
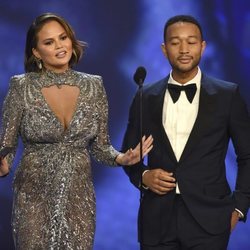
pixel 200 172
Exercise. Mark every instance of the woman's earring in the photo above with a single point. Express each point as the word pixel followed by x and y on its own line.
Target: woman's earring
pixel 39 64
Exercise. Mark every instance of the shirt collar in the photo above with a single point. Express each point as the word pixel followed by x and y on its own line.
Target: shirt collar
pixel 196 79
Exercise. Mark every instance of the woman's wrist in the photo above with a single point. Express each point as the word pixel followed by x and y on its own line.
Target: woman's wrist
pixel 118 160
pixel 4 174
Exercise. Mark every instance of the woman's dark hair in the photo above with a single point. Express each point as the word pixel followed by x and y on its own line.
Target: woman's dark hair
pixel 30 61
pixel 181 18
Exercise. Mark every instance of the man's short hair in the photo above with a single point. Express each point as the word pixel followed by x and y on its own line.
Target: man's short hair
pixel 181 18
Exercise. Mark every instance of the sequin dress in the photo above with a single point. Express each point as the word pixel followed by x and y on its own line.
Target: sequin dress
pixel 54 199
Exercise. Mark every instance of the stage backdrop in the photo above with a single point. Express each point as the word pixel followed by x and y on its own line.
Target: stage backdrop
pixel 122 35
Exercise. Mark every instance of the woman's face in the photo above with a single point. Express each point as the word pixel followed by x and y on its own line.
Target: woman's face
pixel 54 47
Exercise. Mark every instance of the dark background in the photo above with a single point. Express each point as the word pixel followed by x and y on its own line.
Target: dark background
pixel 122 35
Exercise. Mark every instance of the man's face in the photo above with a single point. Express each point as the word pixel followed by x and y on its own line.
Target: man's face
pixel 183 47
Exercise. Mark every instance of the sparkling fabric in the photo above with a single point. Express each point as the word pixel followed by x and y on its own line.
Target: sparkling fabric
pixel 54 200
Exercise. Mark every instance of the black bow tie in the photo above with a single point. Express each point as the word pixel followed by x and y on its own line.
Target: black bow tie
pixel 175 91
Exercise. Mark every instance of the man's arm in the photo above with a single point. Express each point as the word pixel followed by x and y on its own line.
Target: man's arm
pixel 239 129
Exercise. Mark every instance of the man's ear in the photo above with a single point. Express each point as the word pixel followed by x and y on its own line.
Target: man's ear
pixel 163 48
pixel 203 46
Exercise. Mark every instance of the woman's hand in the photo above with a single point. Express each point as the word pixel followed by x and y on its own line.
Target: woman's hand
pixel 132 156
pixel 4 167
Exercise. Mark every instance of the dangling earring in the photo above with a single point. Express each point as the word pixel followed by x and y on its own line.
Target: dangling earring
pixel 39 64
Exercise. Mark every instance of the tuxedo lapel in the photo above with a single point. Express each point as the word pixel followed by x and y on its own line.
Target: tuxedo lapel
pixel 207 105
pixel 156 100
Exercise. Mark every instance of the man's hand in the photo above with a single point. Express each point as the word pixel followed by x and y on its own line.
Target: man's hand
pixel 234 219
pixel 159 181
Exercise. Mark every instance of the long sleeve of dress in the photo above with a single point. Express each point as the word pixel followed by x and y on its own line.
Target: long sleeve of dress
pixel 101 148
pixel 12 114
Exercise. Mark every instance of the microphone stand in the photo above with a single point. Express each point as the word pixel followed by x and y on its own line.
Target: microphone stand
pixel 140 90
pixel 139 78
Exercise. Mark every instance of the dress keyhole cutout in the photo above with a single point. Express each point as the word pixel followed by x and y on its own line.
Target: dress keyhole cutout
pixel 62 102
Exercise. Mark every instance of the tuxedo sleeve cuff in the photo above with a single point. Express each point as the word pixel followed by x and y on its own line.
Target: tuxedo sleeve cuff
pixel 145 187
pixel 241 215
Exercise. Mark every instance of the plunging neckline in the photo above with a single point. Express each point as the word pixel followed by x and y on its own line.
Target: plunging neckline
pixel 64 126
pixel 50 78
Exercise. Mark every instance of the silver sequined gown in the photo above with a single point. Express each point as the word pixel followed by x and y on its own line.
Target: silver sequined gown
pixel 54 200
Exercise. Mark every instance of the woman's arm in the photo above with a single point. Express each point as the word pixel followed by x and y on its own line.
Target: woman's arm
pixel 12 114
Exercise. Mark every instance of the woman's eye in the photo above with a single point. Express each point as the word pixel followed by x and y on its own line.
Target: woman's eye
pixel 48 43
pixel 64 37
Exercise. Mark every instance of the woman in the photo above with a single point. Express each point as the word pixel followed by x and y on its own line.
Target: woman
pixel 61 116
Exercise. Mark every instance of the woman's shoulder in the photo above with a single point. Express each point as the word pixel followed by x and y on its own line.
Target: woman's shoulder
pixel 17 81
pixel 92 83
pixel 21 79
pixel 87 76
pixel 17 78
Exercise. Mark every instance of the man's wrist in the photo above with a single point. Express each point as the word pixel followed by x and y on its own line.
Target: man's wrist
pixel 240 214
pixel 144 186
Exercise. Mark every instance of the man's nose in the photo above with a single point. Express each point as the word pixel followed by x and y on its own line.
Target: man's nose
pixel 184 48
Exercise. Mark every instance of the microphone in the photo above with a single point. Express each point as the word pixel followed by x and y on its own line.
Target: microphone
pixel 140 75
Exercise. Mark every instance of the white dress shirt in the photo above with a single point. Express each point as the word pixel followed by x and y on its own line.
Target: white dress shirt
pixel 178 118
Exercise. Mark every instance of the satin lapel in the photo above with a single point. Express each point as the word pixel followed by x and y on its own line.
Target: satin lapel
pixel 207 105
pixel 155 101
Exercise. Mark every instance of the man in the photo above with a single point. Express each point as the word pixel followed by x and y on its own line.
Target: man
pixel 187 202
